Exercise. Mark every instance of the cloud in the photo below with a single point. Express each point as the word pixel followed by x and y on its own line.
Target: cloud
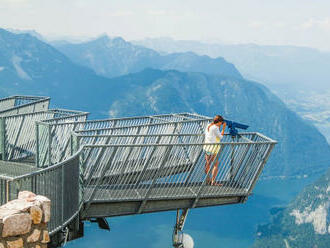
pixel 280 25
pixel 263 24
pixel 317 23
pixel 256 24
pixel 157 12
pixel 170 13
pixel 14 1
pixel 121 13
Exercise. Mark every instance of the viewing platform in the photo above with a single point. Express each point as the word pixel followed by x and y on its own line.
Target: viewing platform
pixel 120 166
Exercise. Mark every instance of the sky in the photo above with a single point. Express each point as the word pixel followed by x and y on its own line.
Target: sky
pixel 268 22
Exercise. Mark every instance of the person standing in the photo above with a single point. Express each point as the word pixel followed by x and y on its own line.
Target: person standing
pixel 213 135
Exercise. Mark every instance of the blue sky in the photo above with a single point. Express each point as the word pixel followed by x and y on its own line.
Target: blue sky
pixel 293 22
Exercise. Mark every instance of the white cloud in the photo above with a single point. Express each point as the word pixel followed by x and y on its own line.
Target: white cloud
pixel 256 24
pixel 14 2
pixel 157 12
pixel 170 13
pixel 121 13
pixel 280 25
pixel 269 25
pixel 317 23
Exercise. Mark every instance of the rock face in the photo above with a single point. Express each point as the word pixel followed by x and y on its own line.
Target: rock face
pixel 304 223
pixel 23 222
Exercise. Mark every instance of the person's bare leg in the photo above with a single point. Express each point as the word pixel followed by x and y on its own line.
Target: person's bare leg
pixel 207 164
pixel 215 173
pixel 209 159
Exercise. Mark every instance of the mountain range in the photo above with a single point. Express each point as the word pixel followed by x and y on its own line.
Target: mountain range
pixel 275 66
pixel 30 66
pixel 115 57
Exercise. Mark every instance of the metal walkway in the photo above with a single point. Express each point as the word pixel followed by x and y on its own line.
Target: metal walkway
pixel 113 167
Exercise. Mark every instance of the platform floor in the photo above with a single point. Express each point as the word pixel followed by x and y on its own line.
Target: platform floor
pixel 163 191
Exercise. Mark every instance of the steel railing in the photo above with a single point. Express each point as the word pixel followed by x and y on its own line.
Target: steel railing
pixel 55 138
pixel 122 159
pixel 144 167
pixel 166 167
pixel 60 183
pixel 18 132
pixel 23 104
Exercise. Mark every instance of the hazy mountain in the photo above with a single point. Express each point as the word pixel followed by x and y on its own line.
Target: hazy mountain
pixel 115 57
pixel 30 32
pixel 300 67
pixel 30 66
pixel 304 223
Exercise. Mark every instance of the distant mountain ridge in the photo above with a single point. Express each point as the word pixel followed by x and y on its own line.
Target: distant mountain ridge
pixel 289 66
pixel 30 66
pixel 112 57
pixel 304 223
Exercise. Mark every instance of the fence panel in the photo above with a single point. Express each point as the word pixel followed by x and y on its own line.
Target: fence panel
pixel 54 138
pixel 170 166
pixel 60 184
pixel 23 105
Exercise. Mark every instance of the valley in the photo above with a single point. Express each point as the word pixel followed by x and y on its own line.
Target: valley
pixel 313 106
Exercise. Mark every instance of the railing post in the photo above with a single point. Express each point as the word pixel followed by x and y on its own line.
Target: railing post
pixel 7 190
pixel 75 142
pixel 68 144
pixel 232 157
pixel 37 145
pixel 49 145
pixel 11 153
pixel 3 138
pixel 62 188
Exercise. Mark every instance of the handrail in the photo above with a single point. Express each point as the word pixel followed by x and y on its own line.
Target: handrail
pixel 165 144
pixel 18 137
pixel 152 124
pixel 35 101
pixel 154 144
pixel 60 183
pixel 46 169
